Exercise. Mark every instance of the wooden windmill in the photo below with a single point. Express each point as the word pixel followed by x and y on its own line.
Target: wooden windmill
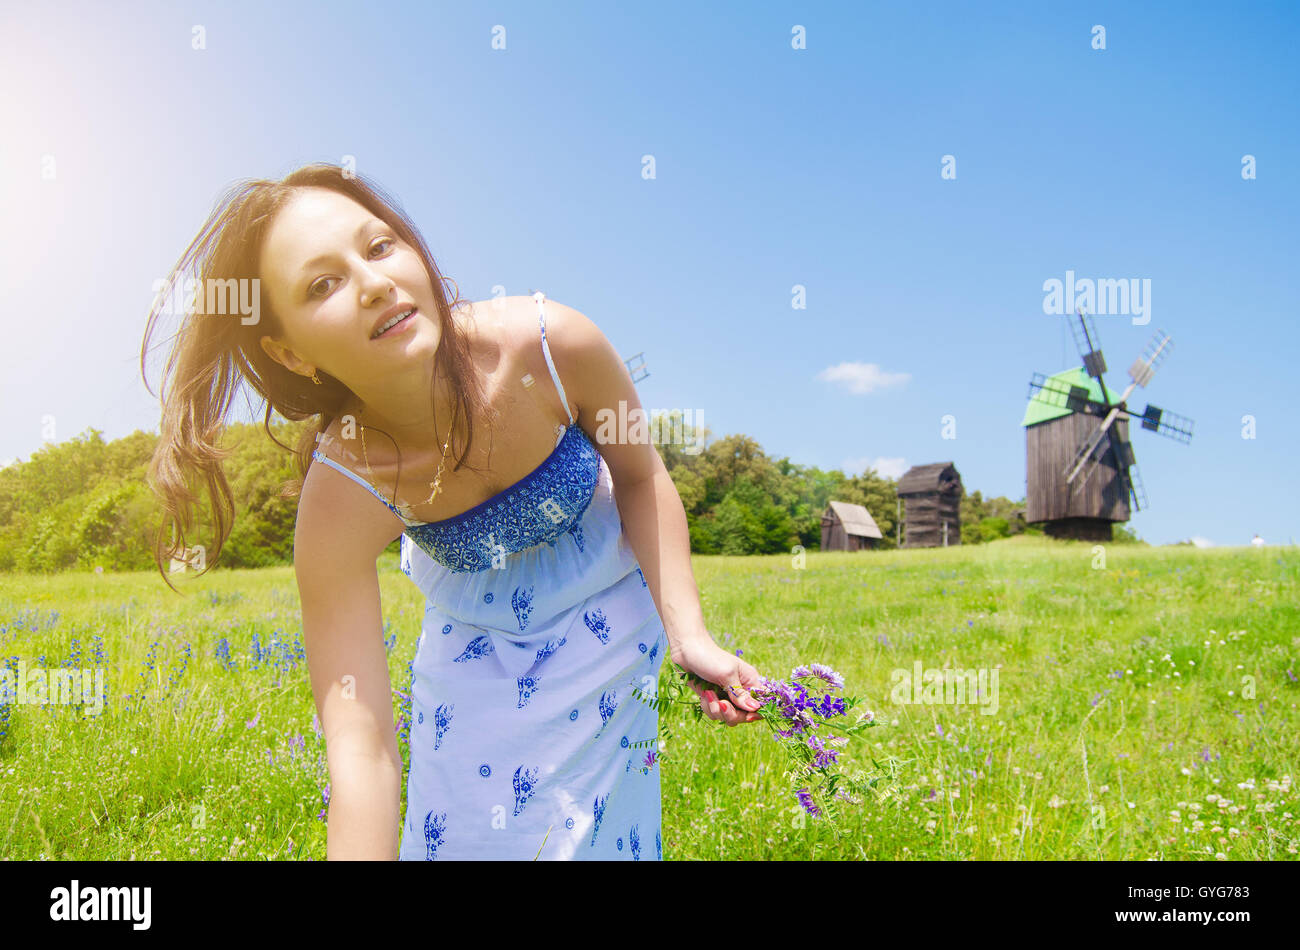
pixel 931 496
pixel 1081 472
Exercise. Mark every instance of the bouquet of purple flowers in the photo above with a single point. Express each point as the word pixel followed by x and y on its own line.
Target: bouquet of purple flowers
pixel 795 714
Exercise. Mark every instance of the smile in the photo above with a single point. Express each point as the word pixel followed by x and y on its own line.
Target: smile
pixel 395 325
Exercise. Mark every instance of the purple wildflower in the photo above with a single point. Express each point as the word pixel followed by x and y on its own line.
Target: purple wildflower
pixel 253 722
pixel 822 672
pixel 806 800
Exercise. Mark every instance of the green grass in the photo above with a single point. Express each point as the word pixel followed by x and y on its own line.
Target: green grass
pixel 1135 701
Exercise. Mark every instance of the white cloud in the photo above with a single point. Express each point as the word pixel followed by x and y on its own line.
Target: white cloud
pixel 888 467
pixel 1201 542
pixel 862 378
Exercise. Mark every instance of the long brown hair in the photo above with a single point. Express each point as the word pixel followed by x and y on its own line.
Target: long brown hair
pixel 212 354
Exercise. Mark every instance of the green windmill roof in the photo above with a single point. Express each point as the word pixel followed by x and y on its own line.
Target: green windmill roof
pixel 1049 405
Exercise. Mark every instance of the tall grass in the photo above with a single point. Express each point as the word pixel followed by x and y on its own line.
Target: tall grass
pixel 1147 708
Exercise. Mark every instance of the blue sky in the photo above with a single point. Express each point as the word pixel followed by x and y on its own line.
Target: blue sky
pixel 774 168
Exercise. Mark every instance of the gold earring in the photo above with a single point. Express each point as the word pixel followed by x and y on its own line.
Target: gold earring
pixel 314 378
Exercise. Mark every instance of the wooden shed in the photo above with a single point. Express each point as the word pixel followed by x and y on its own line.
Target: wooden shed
pixel 931 496
pixel 848 527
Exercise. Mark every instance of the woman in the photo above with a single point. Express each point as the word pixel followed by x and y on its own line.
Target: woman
pixel 545 582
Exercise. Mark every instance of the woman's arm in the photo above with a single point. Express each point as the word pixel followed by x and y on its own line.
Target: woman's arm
pixel 340 533
pixel 654 519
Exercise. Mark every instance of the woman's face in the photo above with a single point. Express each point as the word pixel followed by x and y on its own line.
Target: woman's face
pixel 332 270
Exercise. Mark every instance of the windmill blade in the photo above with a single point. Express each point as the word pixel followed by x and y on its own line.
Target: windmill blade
pixel 1144 367
pixel 1088 344
pixel 1169 424
pixel 1089 445
pixel 1086 453
pixel 1090 466
pixel 1062 395
pixel 1126 466
pixel 1139 492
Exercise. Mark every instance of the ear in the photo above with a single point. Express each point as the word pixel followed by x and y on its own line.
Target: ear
pixel 283 355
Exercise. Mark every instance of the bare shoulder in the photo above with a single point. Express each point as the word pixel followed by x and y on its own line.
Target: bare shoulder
pixel 571 337
pixel 518 319
pixel 339 521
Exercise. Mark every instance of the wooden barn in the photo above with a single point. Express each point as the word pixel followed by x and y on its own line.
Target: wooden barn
pixel 848 527
pixel 931 496
pixel 1053 433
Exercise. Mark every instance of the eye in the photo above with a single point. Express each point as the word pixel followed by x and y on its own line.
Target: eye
pixel 311 291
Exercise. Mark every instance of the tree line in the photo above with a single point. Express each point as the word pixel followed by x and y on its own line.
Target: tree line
pixel 84 503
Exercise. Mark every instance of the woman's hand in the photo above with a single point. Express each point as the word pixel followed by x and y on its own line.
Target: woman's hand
pixel 715 665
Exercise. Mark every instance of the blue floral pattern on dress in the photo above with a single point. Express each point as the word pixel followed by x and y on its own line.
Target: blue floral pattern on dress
pixel 522 602
pixel 607 706
pixel 441 720
pixel 597 624
pixel 525 785
pixel 477 648
pixel 598 810
pixel 433 829
pixel 635 841
pixel 527 686
pixel 551 647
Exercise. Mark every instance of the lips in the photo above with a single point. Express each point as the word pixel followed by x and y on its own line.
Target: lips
pixel 390 319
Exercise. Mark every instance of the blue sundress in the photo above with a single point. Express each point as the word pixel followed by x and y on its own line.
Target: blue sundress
pixel 526 740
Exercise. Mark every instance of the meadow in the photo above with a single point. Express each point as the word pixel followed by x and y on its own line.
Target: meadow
pixel 1146 708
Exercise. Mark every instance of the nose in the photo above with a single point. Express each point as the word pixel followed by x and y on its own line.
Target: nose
pixel 375 285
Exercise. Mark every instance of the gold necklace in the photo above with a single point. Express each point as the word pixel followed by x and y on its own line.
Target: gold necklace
pixel 435 485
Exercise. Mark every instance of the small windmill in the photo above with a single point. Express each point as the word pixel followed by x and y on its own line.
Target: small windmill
pixel 1081 472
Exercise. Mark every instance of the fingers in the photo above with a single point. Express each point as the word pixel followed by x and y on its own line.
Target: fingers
pixel 723 711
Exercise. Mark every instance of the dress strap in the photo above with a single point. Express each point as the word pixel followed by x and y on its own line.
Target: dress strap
pixel 546 351
pixel 318 456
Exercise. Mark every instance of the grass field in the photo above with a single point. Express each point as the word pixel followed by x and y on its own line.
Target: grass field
pixel 1146 708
